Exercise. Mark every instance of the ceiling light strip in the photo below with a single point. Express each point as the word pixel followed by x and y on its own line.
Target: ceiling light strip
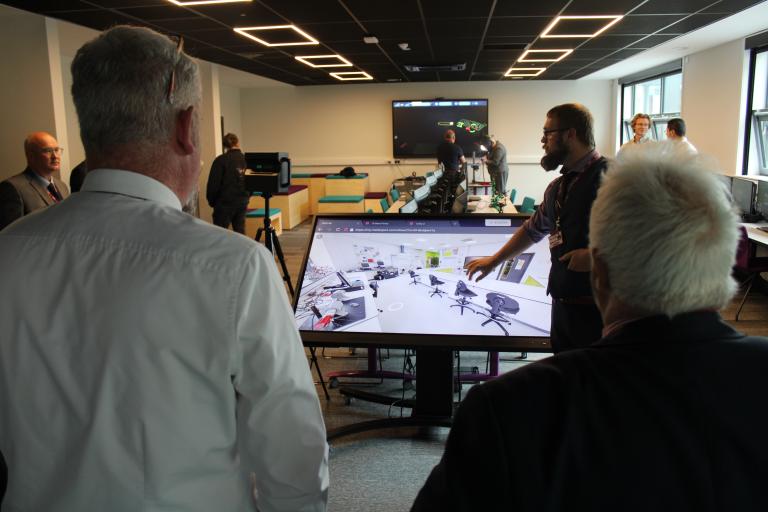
pixel 205 2
pixel 614 19
pixel 513 71
pixel 524 58
pixel 305 59
pixel 351 75
pixel 246 31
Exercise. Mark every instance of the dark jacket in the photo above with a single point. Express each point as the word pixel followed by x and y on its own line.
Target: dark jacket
pixel 574 222
pixel 22 194
pixel 662 415
pixel 225 183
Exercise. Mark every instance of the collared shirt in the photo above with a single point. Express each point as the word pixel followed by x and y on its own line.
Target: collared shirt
pixel 154 365
pixel 542 222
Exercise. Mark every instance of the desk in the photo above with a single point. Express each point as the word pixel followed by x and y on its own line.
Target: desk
pixel 757 235
pixel 483 206
pixel 476 185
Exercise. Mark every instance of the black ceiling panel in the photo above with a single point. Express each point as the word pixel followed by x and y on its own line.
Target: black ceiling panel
pixel 488 35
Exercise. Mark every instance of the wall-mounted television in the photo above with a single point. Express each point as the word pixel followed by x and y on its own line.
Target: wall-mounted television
pixel 387 279
pixel 418 125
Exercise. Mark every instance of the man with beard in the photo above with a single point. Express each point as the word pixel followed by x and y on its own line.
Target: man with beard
pixel 563 215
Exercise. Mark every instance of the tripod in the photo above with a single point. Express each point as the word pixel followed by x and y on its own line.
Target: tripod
pixel 272 243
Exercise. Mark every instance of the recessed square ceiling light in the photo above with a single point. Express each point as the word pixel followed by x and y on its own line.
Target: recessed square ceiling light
pixel 544 55
pixel 246 31
pixel 340 62
pixel 513 71
pixel 205 2
pixel 574 20
pixel 352 75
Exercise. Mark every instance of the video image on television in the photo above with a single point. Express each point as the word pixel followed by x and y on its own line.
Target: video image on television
pixel 408 276
pixel 418 126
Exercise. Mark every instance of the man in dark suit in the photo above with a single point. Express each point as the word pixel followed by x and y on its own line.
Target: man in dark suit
pixel 665 412
pixel 36 187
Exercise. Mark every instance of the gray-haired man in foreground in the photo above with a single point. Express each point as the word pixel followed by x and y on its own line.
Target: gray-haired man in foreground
pixel 149 361
pixel 665 412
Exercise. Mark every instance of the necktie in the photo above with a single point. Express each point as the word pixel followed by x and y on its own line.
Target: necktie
pixel 54 193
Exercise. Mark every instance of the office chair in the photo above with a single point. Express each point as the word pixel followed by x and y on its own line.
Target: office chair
pixel 528 205
pixel 500 305
pixel 436 283
pixel 375 287
pixel 384 204
pixel 414 276
pixel 463 293
pixel 748 263
pixel 394 194
pixel 512 194
pixel 365 266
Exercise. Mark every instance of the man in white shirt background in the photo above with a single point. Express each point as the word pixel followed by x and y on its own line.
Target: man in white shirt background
pixel 676 135
pixel 148 360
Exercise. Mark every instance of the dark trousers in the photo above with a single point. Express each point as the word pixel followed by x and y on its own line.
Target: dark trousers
pixel 225 215
pixel 574 325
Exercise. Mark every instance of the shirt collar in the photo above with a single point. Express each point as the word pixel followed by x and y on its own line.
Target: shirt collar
pixel 42 181
pixel 582 164
pixel 129 183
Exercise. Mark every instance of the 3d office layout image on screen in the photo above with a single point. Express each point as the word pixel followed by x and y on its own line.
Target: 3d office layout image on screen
pixel 407 275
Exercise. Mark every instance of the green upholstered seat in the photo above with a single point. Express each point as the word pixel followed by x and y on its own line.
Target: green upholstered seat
pixel 339 177
pixel 259 212
pixel 384 204
pixel 341 199
pixel 301 175
pixel 395 194
pixel 512 194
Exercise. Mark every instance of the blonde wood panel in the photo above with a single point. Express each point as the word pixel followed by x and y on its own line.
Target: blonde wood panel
pixel 252 224
pixel 341 207
pixel 356 187
pixel 294 207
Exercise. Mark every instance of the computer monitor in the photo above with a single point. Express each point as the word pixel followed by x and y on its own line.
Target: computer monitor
pixel 410 207
pixel 422 287
pixel 743 192
pixel 421 193
pixel 762 198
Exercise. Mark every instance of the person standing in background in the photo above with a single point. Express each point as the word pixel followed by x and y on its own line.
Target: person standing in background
pixel 36 187
pixel 676 135
pixel 449 153
pixel 496 160
pixel 641 126
pixel 226 192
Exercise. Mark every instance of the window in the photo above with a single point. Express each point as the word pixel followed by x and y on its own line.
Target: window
pixel 659 97
pixel 756 147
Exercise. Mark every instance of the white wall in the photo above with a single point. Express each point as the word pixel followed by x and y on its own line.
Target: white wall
pixel 231 109
pixel 26 92
pixel 325 128
pixel 713 106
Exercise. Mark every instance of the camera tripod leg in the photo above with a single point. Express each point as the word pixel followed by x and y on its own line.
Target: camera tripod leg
pixel 275 242
pixel 313 360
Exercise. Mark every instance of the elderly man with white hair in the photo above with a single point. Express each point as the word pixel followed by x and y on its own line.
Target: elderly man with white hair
pixel 148 360
pixel 665 412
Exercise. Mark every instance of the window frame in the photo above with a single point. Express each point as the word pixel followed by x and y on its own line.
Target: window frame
pixel 656 119
pixel 754 117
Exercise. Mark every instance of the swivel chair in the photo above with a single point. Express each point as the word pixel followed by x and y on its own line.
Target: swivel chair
pixel 528 205
pixel 463 293
pixel 414 277
pixel 500 305
pixel 436 283
pixel 748 263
